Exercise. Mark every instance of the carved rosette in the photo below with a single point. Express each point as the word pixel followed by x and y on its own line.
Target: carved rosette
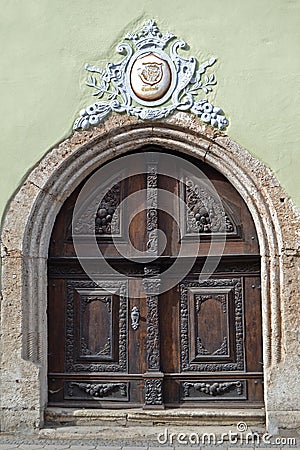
pixel 153 392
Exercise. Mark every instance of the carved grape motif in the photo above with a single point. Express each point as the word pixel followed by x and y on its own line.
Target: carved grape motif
pixel 100 390
pixel 214 389
pixel 103 219
pixel 205 213
pixel 107 218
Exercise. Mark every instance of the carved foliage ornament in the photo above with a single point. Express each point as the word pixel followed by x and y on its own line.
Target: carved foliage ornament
pixel 100 390
pixel 149 77
pixel 213 389
pixel 153 392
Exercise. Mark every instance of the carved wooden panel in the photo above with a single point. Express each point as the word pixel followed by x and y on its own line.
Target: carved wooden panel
pixel 151 286
pixel 207 390
pixel 96 326
pixel 206 213
pixel 211 325
pixel 68 269
pixel 152 216
pixel 153 392
pixel 95 390
pixel 207 341
pixel 103 217
pixel 97 319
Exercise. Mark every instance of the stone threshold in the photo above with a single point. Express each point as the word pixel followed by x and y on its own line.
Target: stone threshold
pixel 139 427
pixel 180 417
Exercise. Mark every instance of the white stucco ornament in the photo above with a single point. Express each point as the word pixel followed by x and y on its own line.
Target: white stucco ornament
pixel 151 83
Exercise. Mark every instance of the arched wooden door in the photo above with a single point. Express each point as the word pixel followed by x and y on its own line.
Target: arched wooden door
pixel 122 341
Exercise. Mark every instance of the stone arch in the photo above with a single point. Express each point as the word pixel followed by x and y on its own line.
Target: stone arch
pixel 32 212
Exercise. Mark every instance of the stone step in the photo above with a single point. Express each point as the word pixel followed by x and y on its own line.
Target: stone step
pixel 151 435
pixel 178 417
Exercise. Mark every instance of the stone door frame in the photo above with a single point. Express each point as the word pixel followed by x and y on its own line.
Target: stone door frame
pixel 27 228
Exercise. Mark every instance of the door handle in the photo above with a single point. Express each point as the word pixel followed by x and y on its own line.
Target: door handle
pixel 135 318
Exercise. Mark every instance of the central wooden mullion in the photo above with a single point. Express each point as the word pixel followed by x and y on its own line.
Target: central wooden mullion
pixel 152 214
pixel 153 377
pixel 153 392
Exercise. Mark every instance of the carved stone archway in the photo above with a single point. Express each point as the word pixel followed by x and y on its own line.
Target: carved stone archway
pixel 27 227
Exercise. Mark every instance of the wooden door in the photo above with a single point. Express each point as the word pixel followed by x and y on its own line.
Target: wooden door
pixel 122 341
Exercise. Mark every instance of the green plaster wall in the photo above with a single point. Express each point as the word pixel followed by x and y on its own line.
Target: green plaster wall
pixel 45 43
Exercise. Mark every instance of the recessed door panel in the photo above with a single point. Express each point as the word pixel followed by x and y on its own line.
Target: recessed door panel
pixel 96 327
pixel 211 325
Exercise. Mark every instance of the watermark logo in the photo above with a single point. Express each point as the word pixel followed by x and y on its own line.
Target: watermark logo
pixel 240 436
pixel 149 199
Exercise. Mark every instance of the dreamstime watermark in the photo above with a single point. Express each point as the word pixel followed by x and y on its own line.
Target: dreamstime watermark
pixel 240 436
pixel 176 205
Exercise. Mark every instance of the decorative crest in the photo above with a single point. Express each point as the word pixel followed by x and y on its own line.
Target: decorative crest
pixel 147 78
pixel 150 36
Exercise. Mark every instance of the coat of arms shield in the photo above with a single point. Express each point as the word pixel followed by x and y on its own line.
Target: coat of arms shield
pixel 150 77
